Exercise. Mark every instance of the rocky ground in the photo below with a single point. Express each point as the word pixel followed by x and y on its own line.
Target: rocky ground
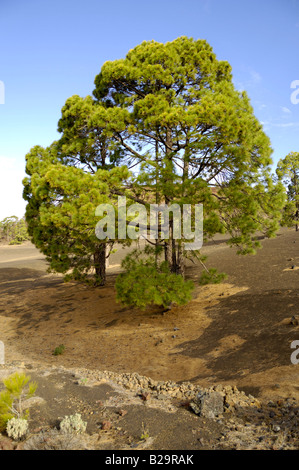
pixel 130 411
pixel 214 374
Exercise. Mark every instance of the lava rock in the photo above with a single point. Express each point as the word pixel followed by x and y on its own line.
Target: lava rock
pixel 208 404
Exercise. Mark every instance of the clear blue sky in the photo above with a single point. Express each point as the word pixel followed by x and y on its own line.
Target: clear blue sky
pixel 53 49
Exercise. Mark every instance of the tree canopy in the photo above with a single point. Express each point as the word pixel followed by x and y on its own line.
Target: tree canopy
pixel 164 126
pixel 174 110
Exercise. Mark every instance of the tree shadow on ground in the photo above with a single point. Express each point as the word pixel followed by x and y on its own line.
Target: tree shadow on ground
pixel 49 295
pixel 251 333
pixel 16 283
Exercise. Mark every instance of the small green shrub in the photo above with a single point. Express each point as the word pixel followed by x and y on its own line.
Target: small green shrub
pixel 147 282
pixel 211 277
pixel 17 389
pixel 59 350
pixel 145 433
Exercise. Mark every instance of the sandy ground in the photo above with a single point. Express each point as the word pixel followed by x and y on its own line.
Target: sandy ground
pixel 238 333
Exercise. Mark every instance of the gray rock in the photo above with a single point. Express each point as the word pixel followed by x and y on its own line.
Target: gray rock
pixel 33 401
pixel 208 404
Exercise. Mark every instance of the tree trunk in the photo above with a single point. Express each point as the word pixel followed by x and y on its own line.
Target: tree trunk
pixel 100 263
pixel 173 249
pixel 180 262
pixel 157 202
pixel 168 243
pixel 168 253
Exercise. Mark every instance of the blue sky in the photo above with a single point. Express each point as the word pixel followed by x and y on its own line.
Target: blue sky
pixel 51 50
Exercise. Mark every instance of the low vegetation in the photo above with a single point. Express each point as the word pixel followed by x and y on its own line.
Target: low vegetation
pixel 18 388
pixel 59 350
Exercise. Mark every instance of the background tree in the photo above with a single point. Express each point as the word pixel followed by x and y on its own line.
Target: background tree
pixel 13 230
pixel 288 171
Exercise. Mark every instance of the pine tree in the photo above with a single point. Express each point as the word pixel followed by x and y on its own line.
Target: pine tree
pixel 288 171
pixel 165 126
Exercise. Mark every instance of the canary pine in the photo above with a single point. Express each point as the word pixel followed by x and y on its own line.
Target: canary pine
pixel 165 125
